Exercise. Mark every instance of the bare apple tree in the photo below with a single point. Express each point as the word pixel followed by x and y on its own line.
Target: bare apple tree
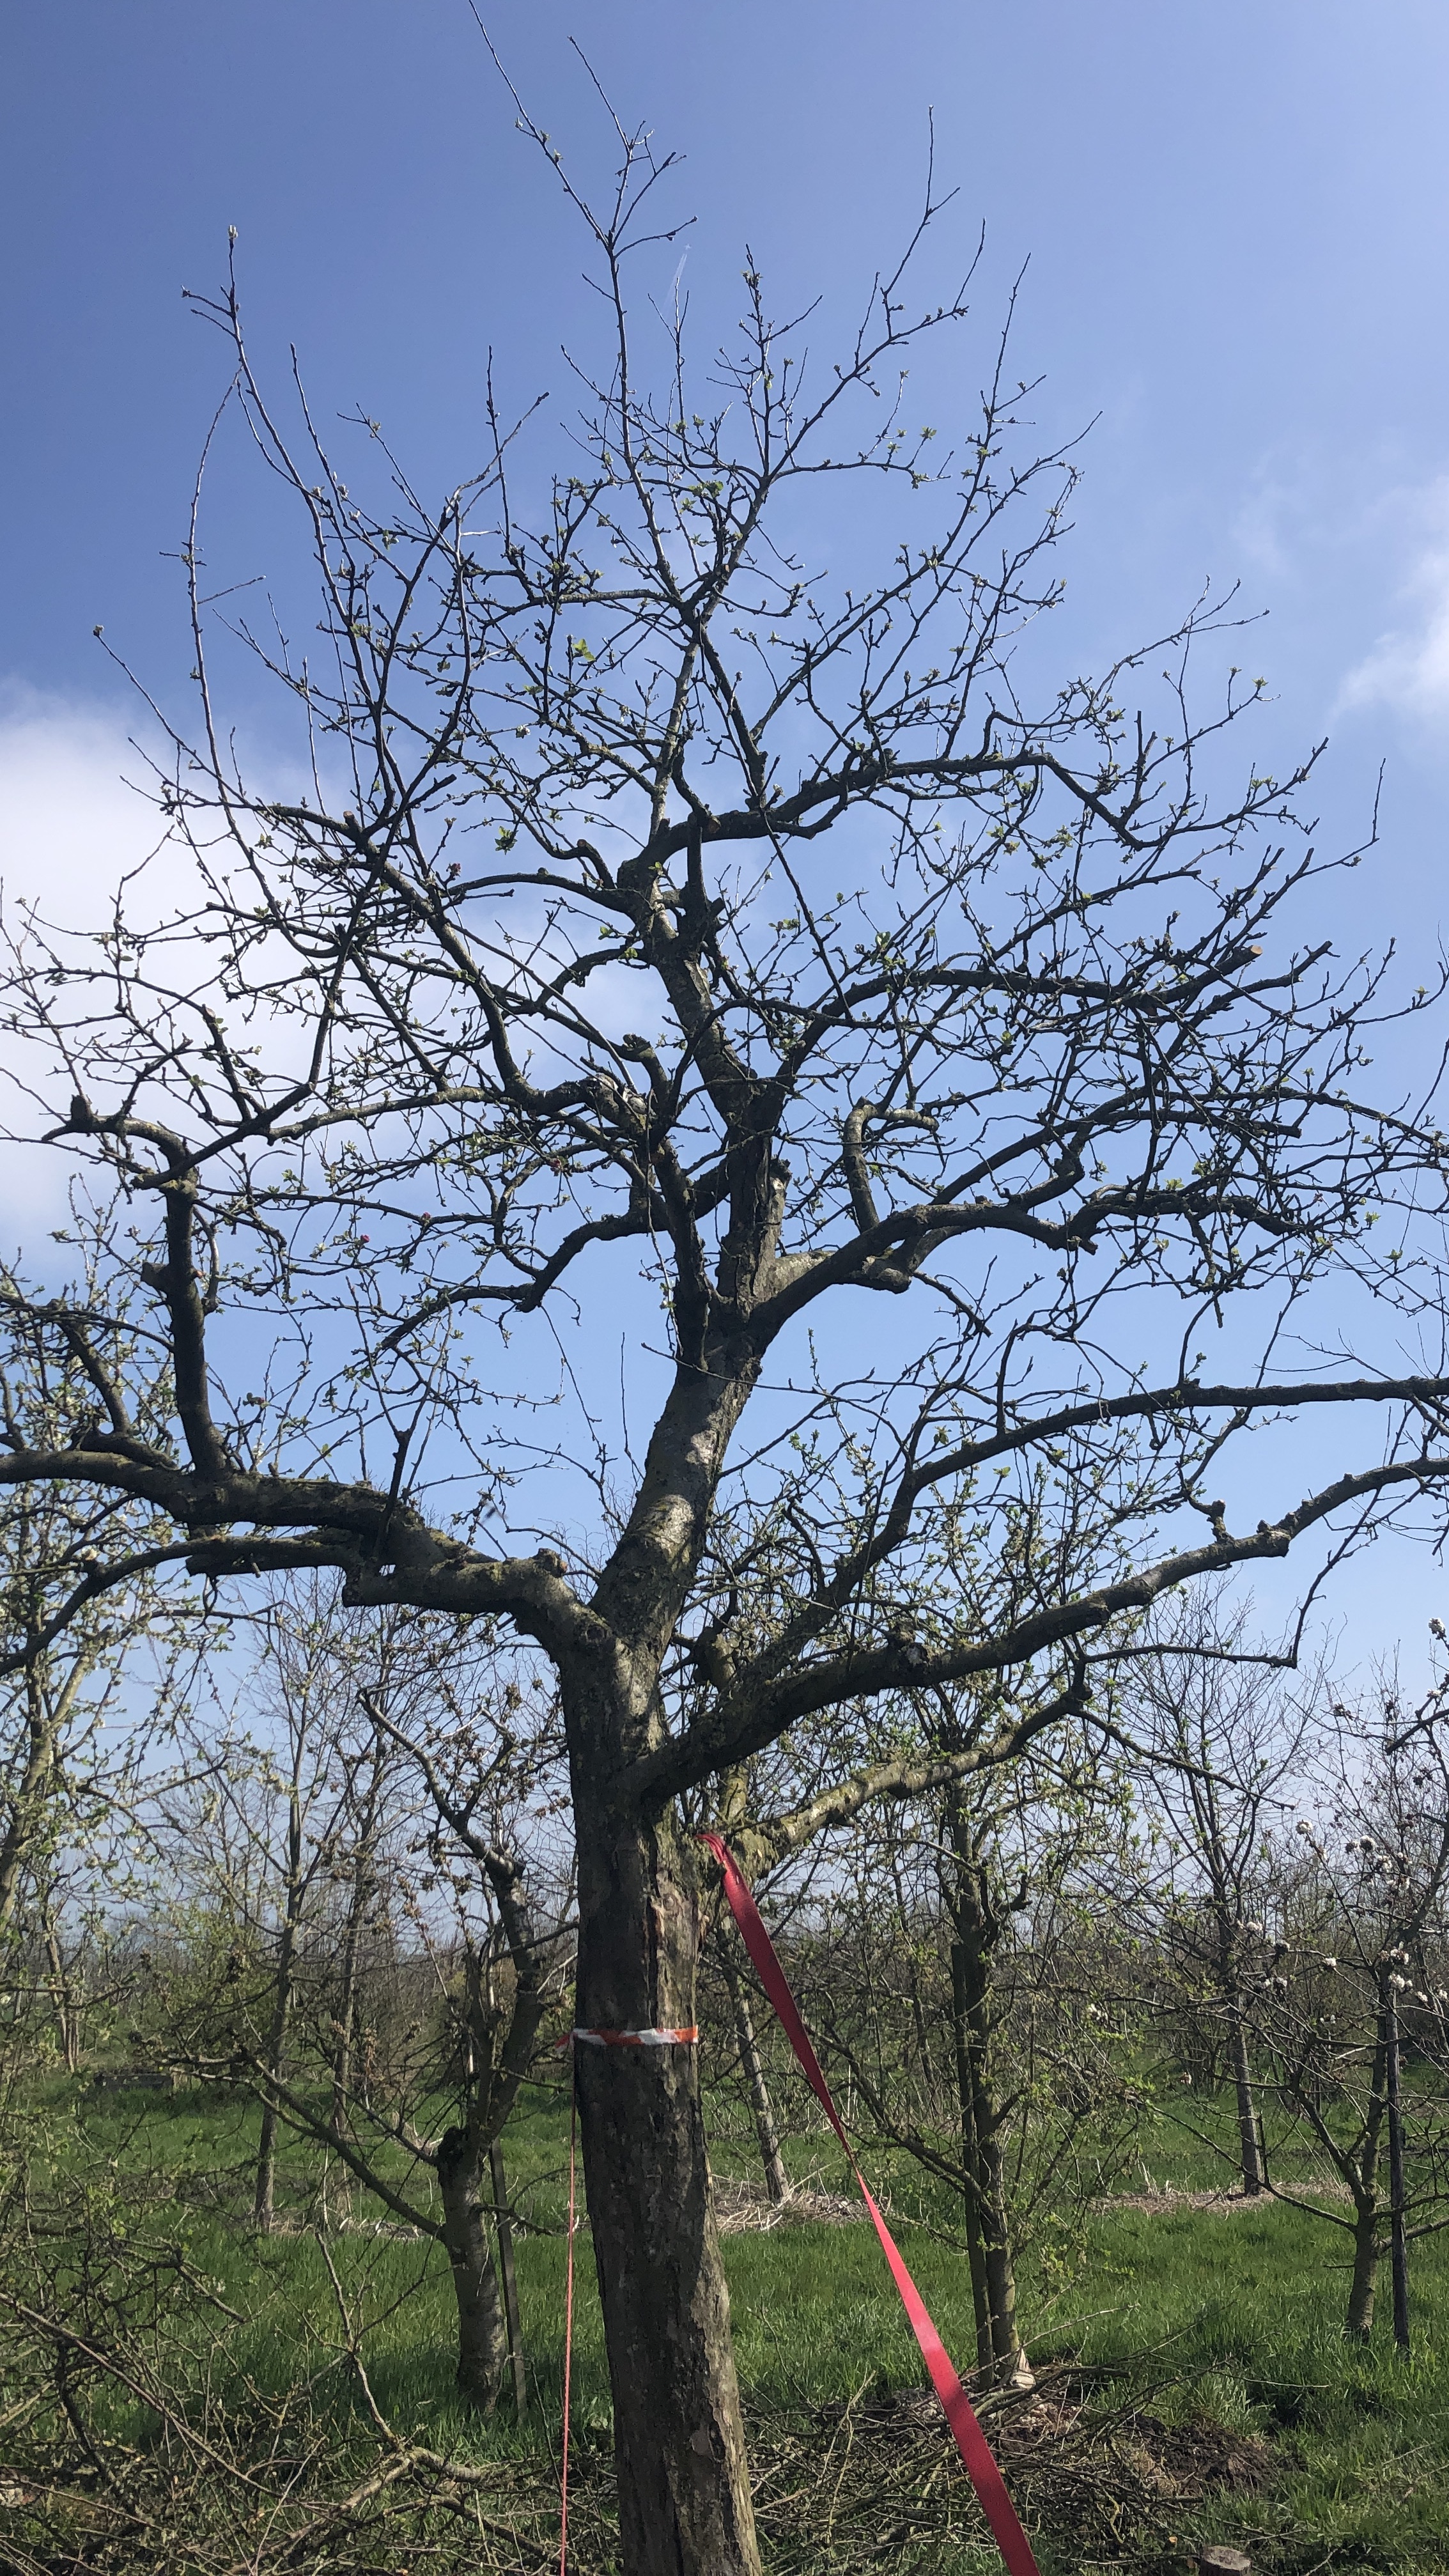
pixel 651 903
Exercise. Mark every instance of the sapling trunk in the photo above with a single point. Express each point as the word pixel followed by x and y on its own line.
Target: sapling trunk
pixel 777 2181
pixel 276 2045
pixel 345 2017
pixel 64 2001
pixel 1398 2240
pixel 264 2195
pixel 1250 2144
pixel 971 2179
pixel 1363 2180
pixel 978 1930
pixel 482 2341
pixel 503 2222
pixel 1358 2324
pixel 360 1895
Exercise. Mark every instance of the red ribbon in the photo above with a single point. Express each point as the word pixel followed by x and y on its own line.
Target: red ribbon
pixel 970 2441
pixel 563 2496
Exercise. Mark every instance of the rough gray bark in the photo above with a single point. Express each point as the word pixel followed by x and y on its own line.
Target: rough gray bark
pixel 684 2492
pixel 1008 2358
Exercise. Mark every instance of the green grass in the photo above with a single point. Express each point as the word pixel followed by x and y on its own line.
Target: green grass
pixel 1227 2319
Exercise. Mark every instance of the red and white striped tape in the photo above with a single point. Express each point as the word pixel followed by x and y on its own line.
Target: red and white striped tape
pixel 632 2038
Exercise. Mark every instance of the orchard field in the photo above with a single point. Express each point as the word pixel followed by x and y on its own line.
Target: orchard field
pixel 193 2398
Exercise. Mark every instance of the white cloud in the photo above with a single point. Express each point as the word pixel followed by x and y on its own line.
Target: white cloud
pixel 1407 668
pixel 70 826
pixel 70 830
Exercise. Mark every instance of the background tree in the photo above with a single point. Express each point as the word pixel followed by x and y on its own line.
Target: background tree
pixel 945 1966
pixel 1357 1969
pixel 726 1953
pixel 647 885
pixel 253 1831
pixel 69 1801
pixel 1220 1748
pixel 498 1964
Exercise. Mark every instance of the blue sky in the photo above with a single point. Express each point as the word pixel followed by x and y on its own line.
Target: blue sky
pixel 1236 218
pixel 1236 215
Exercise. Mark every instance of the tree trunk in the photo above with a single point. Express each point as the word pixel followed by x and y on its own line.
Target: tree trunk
pixel 684 2495
pixel 264 2194
pixel 1358 2324
pixel 26 1802
pixel 345 2021
pixel 1398 2240
pixel 777 2181
pixel 482 2340
pixel 360 1896
pixel 1250 2144
pixel 503 2221
pixel 970 2171
pixel 345 2018
pixel 63 1997
pixel 263 2198
pixel 1009 2362
pixel 973 2005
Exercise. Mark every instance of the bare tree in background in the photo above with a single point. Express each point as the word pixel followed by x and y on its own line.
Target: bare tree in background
pixel 727 1952
pixel 359 1865
pixel 1221 1744
pixel 312 1686
pixel 500 1959
pixel 944 1968
pixel 1356 1977
pixel 66 1797
pixel 253 1827
pixel 654 900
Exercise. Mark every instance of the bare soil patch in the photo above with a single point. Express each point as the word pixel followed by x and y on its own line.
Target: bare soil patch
pixel 1221 2203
